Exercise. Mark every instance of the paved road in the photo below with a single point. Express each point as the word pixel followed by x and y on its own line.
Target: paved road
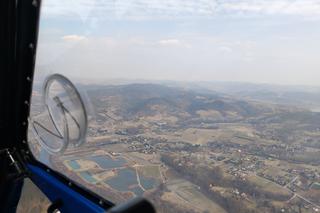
pixel 293 180
pixel 294 194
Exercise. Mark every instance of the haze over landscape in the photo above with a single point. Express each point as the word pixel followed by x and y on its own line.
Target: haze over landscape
pixel 189 148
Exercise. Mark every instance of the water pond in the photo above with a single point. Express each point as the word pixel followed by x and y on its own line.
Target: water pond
pixel 106 162
pixel 88 177
pixel 124 181
pixel 74 164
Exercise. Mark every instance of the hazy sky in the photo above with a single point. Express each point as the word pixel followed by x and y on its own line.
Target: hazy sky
pixel 270 41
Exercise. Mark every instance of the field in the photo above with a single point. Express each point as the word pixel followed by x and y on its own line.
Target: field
pixel 268 186
pixel 182 190
pixel 242 153
pixel 152 171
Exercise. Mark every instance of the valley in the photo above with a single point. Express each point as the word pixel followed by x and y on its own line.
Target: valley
pixel 193 151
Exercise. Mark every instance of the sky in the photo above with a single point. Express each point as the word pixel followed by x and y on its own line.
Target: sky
pixel 259 41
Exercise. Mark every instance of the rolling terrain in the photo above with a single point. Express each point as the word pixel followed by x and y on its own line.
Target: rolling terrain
pixel 175 143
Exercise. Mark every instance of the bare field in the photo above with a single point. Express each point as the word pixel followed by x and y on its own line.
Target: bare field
pixel 152 171
pixel 191 194
pixel 268 186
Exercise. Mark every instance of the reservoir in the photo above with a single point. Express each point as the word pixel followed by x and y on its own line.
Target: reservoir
pixel 87 176
pixel 123 181
pixel 74 164
pixel 106 162
pixel 147 183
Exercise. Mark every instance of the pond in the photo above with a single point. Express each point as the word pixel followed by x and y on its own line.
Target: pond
pixel 123 181
pixel 74 164
pixel 106 162
pixel 137 191
pixel 147 183
pixel 88 177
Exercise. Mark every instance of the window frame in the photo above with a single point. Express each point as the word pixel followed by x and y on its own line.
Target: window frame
pixel 18 91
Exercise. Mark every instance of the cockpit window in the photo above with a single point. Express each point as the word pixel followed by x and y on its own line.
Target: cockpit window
pixel 199 106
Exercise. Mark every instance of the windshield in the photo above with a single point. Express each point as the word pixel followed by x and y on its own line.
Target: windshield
pixel 199 106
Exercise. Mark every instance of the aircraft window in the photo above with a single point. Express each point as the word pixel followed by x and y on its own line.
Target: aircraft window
pixel 199 106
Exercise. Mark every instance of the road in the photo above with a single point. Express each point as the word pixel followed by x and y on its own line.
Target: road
pixel 294 193
pixel 293 180
pixel 138 179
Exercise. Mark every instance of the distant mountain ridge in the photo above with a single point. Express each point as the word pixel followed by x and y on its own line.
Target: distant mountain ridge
pixel 148 99
pixel 299 96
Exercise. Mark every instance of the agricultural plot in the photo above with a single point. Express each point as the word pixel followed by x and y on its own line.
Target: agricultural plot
pixel 191 194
